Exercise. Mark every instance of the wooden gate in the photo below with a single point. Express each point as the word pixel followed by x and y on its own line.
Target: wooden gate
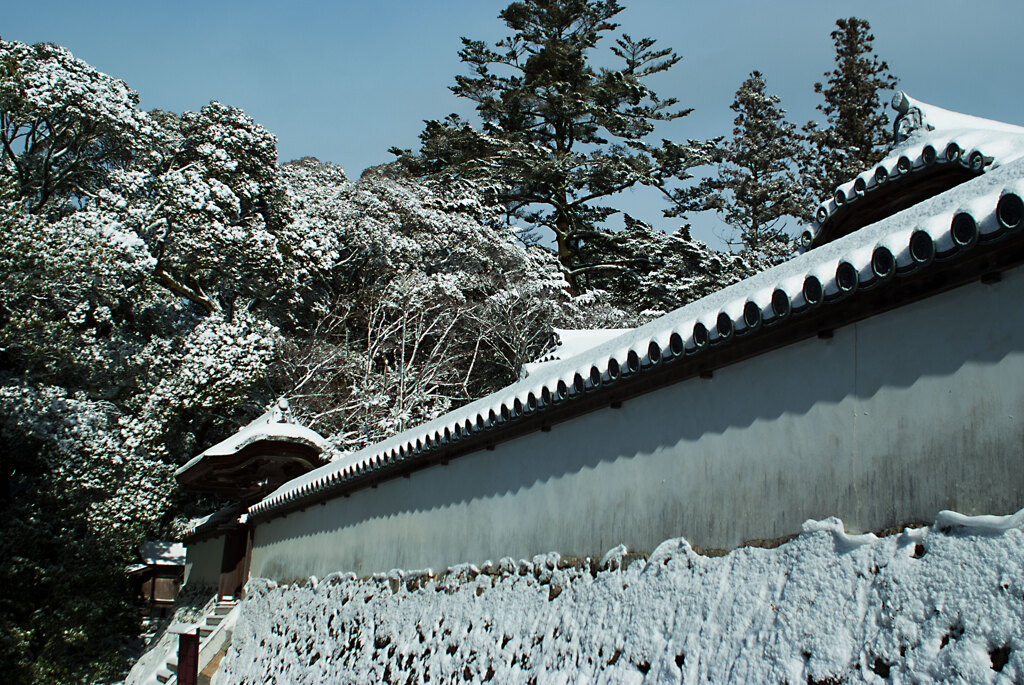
pixel 234 567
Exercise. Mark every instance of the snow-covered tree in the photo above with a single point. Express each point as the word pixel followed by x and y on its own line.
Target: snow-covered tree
pixel 144 259
pixel 857 126
pixel 560 134
pixel 757 187
pixel 71 292
pixel 407 324
pixel 209 209
pixel 184 381
pixel 653 272
pixel 75 500
pixel 63 125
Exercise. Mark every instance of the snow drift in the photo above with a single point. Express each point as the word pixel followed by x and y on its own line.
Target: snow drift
pixel 942 603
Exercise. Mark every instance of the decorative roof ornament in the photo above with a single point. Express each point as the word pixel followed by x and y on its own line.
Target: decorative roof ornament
pixel 909 120
pixel 933 150
pixel 280 412
pixel 916 117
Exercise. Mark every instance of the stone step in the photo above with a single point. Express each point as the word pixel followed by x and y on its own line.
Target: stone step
pixel 214 620
pixel 163 675
pixel 205 632
pixel 172 664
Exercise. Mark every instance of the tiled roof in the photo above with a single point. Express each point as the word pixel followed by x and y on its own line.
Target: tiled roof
pixel 569 343
pixel 945 228
pixel 274 425
pixel 930 138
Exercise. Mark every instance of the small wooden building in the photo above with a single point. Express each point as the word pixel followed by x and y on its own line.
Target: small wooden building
pixel 157 577
pixel 243 469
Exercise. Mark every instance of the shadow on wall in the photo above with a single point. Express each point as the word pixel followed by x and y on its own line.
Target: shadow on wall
pixel 818 428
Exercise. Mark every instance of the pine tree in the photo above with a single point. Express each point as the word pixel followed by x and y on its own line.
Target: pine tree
pixel 656 272
pixel 857 126
pixel 757 186
pixel 560 135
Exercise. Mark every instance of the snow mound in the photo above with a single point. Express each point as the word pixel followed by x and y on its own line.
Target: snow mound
pixel 936 604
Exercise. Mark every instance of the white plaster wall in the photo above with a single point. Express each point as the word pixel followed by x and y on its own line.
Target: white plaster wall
pixel 891 420
pixel 202 561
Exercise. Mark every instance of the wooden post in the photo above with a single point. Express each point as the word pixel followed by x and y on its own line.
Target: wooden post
pixel 188 658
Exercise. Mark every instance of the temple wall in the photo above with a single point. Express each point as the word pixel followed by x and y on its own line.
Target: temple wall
pixel 202 561
pixel 890 421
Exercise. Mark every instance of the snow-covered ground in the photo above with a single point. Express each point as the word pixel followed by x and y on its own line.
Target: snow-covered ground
pixel 938 604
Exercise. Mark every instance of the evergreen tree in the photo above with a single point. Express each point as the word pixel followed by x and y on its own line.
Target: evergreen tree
pixel 63 125
pixel 857 128
pixel 560 135
pixel 138 251
pixel 655 272
pixel 757 186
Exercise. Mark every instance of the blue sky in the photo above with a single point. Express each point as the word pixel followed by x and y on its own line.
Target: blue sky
pixel 346 80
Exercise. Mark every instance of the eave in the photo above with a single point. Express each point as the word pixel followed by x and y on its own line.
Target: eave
pixel 252 471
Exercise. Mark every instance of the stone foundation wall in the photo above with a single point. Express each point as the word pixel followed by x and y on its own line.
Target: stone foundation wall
pixel 935 604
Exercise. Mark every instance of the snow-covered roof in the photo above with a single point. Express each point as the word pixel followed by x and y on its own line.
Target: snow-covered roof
pixel 945 227
pixel 275 425
pixel 569 343
pixel 928 138
pixel 916 115
pixel 162 553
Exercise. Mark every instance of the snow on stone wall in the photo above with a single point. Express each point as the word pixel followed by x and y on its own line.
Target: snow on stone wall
pixel 944 603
